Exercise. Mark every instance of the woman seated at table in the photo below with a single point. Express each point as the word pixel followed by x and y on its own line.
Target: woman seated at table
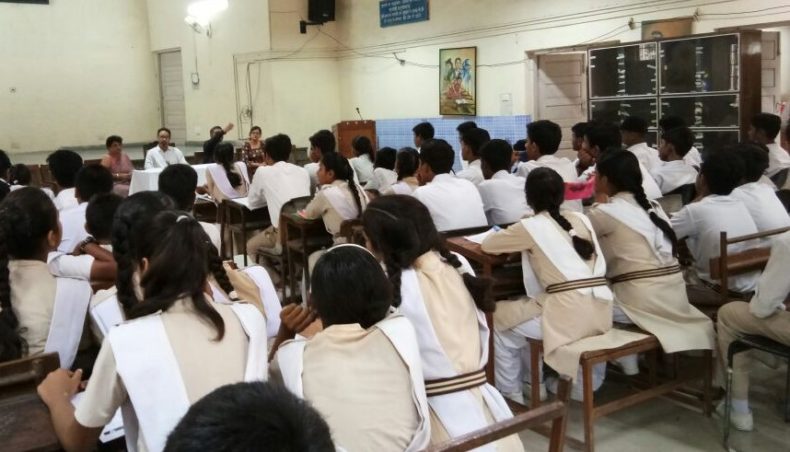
pixel 119 164
pixel 568 304
pixel 253 150
pixel 226 179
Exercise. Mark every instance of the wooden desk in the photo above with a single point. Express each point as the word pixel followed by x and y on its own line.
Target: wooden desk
pixel 302 236
pixel 233 209
pixel 25 424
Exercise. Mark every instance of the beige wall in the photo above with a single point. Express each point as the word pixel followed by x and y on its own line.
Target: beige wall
pixel 73 72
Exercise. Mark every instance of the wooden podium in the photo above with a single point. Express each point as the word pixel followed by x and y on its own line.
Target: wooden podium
pixel 345 131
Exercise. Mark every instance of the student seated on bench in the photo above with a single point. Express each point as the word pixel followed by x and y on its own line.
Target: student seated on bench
pixel 701 223
pixel 91 180
pixel 765 207
pixel 227 179
pixel 64 166
pixel 406 163
pixel 640 248
pixel 667 123
pixel 454 202
pixel 321 142
pixel 472 140
pixel 634 132
pixel 765 315
pixel 675 172
pixel 568 303
pixel 179 181
pixel 764 129
pixel 363 371
pixel 502 192
pixel 384 174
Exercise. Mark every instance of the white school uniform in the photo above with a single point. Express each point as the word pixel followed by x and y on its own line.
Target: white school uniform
pixel 778 159
pixel 774 284
pixel 156 158
pixel 382 180
pixel 673 175
pixel 503 197
pixel 312 170
pixel 765 207
pixel 693 157
pixel 220 181
pixel 73 222
pixel 646 155
pixel 66 199
pixel 363 168
pixel 405 186
pixel 212 231
pixel 454 203
pixel 277 184
pixel 473 172
pixel 701 224
pixel 564 167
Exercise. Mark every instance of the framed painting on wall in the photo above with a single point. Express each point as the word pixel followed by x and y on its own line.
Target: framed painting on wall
pixel 458 81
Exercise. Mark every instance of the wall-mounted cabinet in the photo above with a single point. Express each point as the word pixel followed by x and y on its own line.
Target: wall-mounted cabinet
pixel 711 81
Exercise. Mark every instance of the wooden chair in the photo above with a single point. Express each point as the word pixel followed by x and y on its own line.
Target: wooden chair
pixel 35 175
pixel 352 231
pixel 687 193
pixel 301 238
pixel 282 260
pixel 46 177
pixel 24 419
pixel 733 264
pixel 238 218
pixel 555 412
pixel 670 203
pixel 652 389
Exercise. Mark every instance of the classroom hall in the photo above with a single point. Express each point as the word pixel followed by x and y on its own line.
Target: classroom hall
pixel 318 225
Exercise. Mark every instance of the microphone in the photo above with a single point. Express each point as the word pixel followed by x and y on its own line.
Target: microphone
pixel 360 115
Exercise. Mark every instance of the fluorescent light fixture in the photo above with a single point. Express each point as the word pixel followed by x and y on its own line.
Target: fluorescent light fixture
pixel 204 10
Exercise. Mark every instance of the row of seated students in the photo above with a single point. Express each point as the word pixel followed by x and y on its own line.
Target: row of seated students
pixel 156 272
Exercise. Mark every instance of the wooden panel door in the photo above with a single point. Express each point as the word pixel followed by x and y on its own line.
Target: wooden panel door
pixel 562 92
pixel 771 82
pixel 171 80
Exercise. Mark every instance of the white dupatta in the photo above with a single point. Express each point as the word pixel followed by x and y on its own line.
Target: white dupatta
pixel 149 369
pixel 636 219
pixel 72 298
pixel 345 207
pixel 221 179
pixel 400 333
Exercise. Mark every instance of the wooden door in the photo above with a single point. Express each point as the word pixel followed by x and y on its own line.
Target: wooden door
pixel 771 82
pixel 562 92
pixel 171 82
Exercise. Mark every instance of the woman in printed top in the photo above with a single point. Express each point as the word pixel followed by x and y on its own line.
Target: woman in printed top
pixel 406 163
pixel 227 179
pixel 446 308
pixel 39 313
pixel 568 303
pixel 253 150
pixel 640 249
pixel 177 347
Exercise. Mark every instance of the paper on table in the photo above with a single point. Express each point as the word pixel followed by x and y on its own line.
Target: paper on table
pixel 113 429
pixel 478 238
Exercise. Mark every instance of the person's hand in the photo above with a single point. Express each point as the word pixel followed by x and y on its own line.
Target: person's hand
pixel 296 318
pixel 201 190
pixel 229 127
pixel 60 385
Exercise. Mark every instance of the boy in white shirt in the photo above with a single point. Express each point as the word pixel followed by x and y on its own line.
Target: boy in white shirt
pixel 179 181
pixel 422 132
pixel 503 195
pixel 274 184
pixel 634 132
pixel 321 143
pixel 761 200
pixel 163 155
pixel 543 141
pixel 667 123
pixel 454 203
pixel 675 172
pixel 701 222
pixel 64 165
pixel 764 129
pixel 91 180
pixel 472 140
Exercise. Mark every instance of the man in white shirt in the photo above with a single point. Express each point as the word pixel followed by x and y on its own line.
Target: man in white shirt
pixel 274 184
pixel 163 154
pixel 634 132
pixel 422 132
pixel 667 123
pixel 674 172
pixel 764 129
pixel 91 180
pixel 64 166
pixel 454 203
pixel 472 140
pixel 503 194
pixel 321 142
pixel 179 182
pixel 702 222
pixel 765 315
pixel 761 200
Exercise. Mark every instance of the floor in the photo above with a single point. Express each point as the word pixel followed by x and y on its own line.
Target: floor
pixel 662 425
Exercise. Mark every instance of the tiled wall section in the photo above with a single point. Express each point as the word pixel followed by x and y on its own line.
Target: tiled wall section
pixel 397 133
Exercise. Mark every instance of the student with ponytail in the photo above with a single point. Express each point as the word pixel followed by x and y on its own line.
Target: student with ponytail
pixel 38 312
pixel 227 179
pixel 406 163
pixel 640 248
pixel 177 347
pixel 446 304
pixel 568 303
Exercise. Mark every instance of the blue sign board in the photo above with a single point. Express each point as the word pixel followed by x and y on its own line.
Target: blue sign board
pixel 399 12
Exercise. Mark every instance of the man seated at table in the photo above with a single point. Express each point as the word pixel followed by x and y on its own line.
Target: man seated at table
pixel 454 202
pixel 180 181
pixel 274 184
pixel 163 155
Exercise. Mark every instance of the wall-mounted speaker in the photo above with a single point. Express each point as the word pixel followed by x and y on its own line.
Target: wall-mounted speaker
pixel 321 10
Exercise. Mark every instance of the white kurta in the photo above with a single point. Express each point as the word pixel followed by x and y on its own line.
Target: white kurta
pixel 454 203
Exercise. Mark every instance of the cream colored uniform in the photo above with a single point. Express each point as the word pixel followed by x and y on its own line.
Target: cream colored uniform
pixel 405 186
pixel 657 304
pixel 33 291
pixel 218 189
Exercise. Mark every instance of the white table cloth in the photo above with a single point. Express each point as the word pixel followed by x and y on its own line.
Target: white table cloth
pixel 148 180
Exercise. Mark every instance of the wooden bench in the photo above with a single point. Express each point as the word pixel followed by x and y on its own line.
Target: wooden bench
pixel 652 389
pixel 24 419
pixel 555 412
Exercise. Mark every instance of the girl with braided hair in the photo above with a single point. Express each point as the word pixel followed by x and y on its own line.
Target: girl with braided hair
pixel 177 347
pixel 38 312
pixel 640 249
pixel 447 309
pixel 568 303
pixel 227 179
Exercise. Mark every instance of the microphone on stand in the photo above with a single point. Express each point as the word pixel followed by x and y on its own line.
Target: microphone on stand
pixel 360 115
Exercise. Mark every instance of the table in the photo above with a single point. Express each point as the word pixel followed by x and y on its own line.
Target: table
pixel 148 180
